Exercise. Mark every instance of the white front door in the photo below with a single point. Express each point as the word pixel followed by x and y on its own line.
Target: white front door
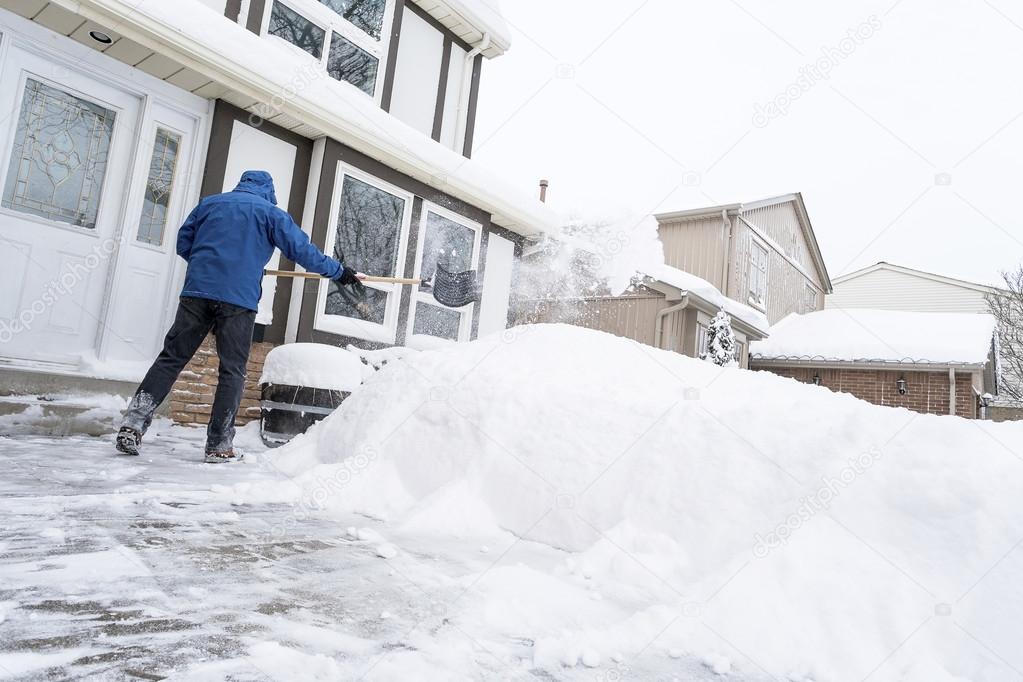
pixel 66 143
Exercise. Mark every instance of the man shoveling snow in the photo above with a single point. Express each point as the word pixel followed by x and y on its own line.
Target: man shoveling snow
pixel 227 240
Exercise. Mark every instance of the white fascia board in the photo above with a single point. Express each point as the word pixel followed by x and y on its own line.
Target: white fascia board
pixel 477 15
pixel 187 32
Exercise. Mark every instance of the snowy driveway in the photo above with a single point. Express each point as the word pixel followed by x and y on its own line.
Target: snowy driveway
pixel 119 568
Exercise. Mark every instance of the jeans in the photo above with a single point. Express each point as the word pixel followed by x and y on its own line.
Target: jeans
pixel 232 325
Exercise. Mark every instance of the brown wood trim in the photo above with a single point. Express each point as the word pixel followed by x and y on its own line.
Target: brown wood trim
pixel 444 30
pixel 255 20
pixel 442 90
pixel 392 56
pixel 470 115
pixel 232 9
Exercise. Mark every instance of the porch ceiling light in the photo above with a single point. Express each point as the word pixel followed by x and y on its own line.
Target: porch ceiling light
pixel 101 37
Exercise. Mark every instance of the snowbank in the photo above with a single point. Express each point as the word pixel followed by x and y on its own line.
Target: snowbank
pixel 314 364
pixel 880 335
pixel 732 515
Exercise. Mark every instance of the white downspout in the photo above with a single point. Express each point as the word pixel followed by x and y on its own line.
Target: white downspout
pixel 462 115
pixel 659 325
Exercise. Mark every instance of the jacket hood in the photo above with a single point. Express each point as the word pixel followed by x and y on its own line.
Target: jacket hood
pixel 259 183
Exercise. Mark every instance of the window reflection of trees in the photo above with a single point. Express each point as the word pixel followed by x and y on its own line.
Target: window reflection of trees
pixel 448 243
pixel 432 320
pixel 289 25
pixel 346 62
pixel 368 15
pixel 368 232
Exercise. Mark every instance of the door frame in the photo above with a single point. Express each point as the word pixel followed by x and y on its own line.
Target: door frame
pixel 64 53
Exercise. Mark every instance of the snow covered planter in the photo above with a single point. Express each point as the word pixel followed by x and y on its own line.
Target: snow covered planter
pixel 301 384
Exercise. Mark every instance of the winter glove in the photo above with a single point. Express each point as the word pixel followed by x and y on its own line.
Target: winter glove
pixel 347 277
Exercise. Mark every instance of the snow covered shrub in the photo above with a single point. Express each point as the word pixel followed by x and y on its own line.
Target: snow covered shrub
pixel 721 341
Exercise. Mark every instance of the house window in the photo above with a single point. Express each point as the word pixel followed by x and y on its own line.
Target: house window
pixel 159 184
pixel 758 274
pixel 59 160
pixel 346 36
pixel 349 62
pixel 702 339
pixel 451 241
pixel 809 299
pixel 371 229
pixel 367 15
pixel 289 25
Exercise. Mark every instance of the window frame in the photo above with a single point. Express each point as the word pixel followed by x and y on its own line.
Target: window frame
pixel 331 22
pixel 467 312
pixel 386 332
pixel 809 289
pixel 754 245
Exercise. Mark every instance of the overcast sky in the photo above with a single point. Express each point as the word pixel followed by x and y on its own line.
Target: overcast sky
pixel 900 122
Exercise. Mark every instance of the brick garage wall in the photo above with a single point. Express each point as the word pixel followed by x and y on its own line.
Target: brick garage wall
pixel 927 392
pixel 191 398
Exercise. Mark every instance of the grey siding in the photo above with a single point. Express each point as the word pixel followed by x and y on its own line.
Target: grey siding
pixel 790 267
pixel 696 246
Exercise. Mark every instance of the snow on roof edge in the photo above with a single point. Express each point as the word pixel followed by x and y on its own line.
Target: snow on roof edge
pixel 688 282
pixel 865 335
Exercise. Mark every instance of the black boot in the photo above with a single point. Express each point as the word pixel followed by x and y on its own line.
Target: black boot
pixel 128 441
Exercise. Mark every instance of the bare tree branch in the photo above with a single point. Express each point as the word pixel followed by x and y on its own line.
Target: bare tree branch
pixel 1007 308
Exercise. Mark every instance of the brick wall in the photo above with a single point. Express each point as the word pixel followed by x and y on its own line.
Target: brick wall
pixel 927 392
pixel 191 398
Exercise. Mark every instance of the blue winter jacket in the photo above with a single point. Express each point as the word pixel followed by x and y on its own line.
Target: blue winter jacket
pixel 229 238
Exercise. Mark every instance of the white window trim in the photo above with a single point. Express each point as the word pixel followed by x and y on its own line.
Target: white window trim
pixel 807 289
pixel 466 311
pixel 349 326
pixel 754 243
pixel 330 21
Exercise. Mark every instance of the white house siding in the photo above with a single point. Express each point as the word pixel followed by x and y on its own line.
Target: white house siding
pixel 885 289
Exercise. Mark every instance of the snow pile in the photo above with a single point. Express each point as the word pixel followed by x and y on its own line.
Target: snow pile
pixel 747 520
pixel 685 281
pixel 881 335
pixel 314 364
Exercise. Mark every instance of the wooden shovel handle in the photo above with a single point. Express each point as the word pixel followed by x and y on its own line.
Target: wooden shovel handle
pixel 367 278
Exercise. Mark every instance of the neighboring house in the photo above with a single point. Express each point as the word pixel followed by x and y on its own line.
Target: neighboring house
pixel 763 254
pixel 121 114
pixel 935 363
pixel 670 309
pixel 757 261
pixel 884 286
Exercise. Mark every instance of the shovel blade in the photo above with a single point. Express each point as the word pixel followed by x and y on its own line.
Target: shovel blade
pixel 454 289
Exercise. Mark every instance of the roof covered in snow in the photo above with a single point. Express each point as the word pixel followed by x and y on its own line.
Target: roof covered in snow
pixel 686 282
pixel 225 53
pixel 880 336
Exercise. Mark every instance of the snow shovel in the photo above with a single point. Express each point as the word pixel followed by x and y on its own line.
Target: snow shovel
pixel 452 289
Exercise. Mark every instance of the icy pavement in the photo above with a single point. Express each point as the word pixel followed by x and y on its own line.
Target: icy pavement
pixel 114 567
